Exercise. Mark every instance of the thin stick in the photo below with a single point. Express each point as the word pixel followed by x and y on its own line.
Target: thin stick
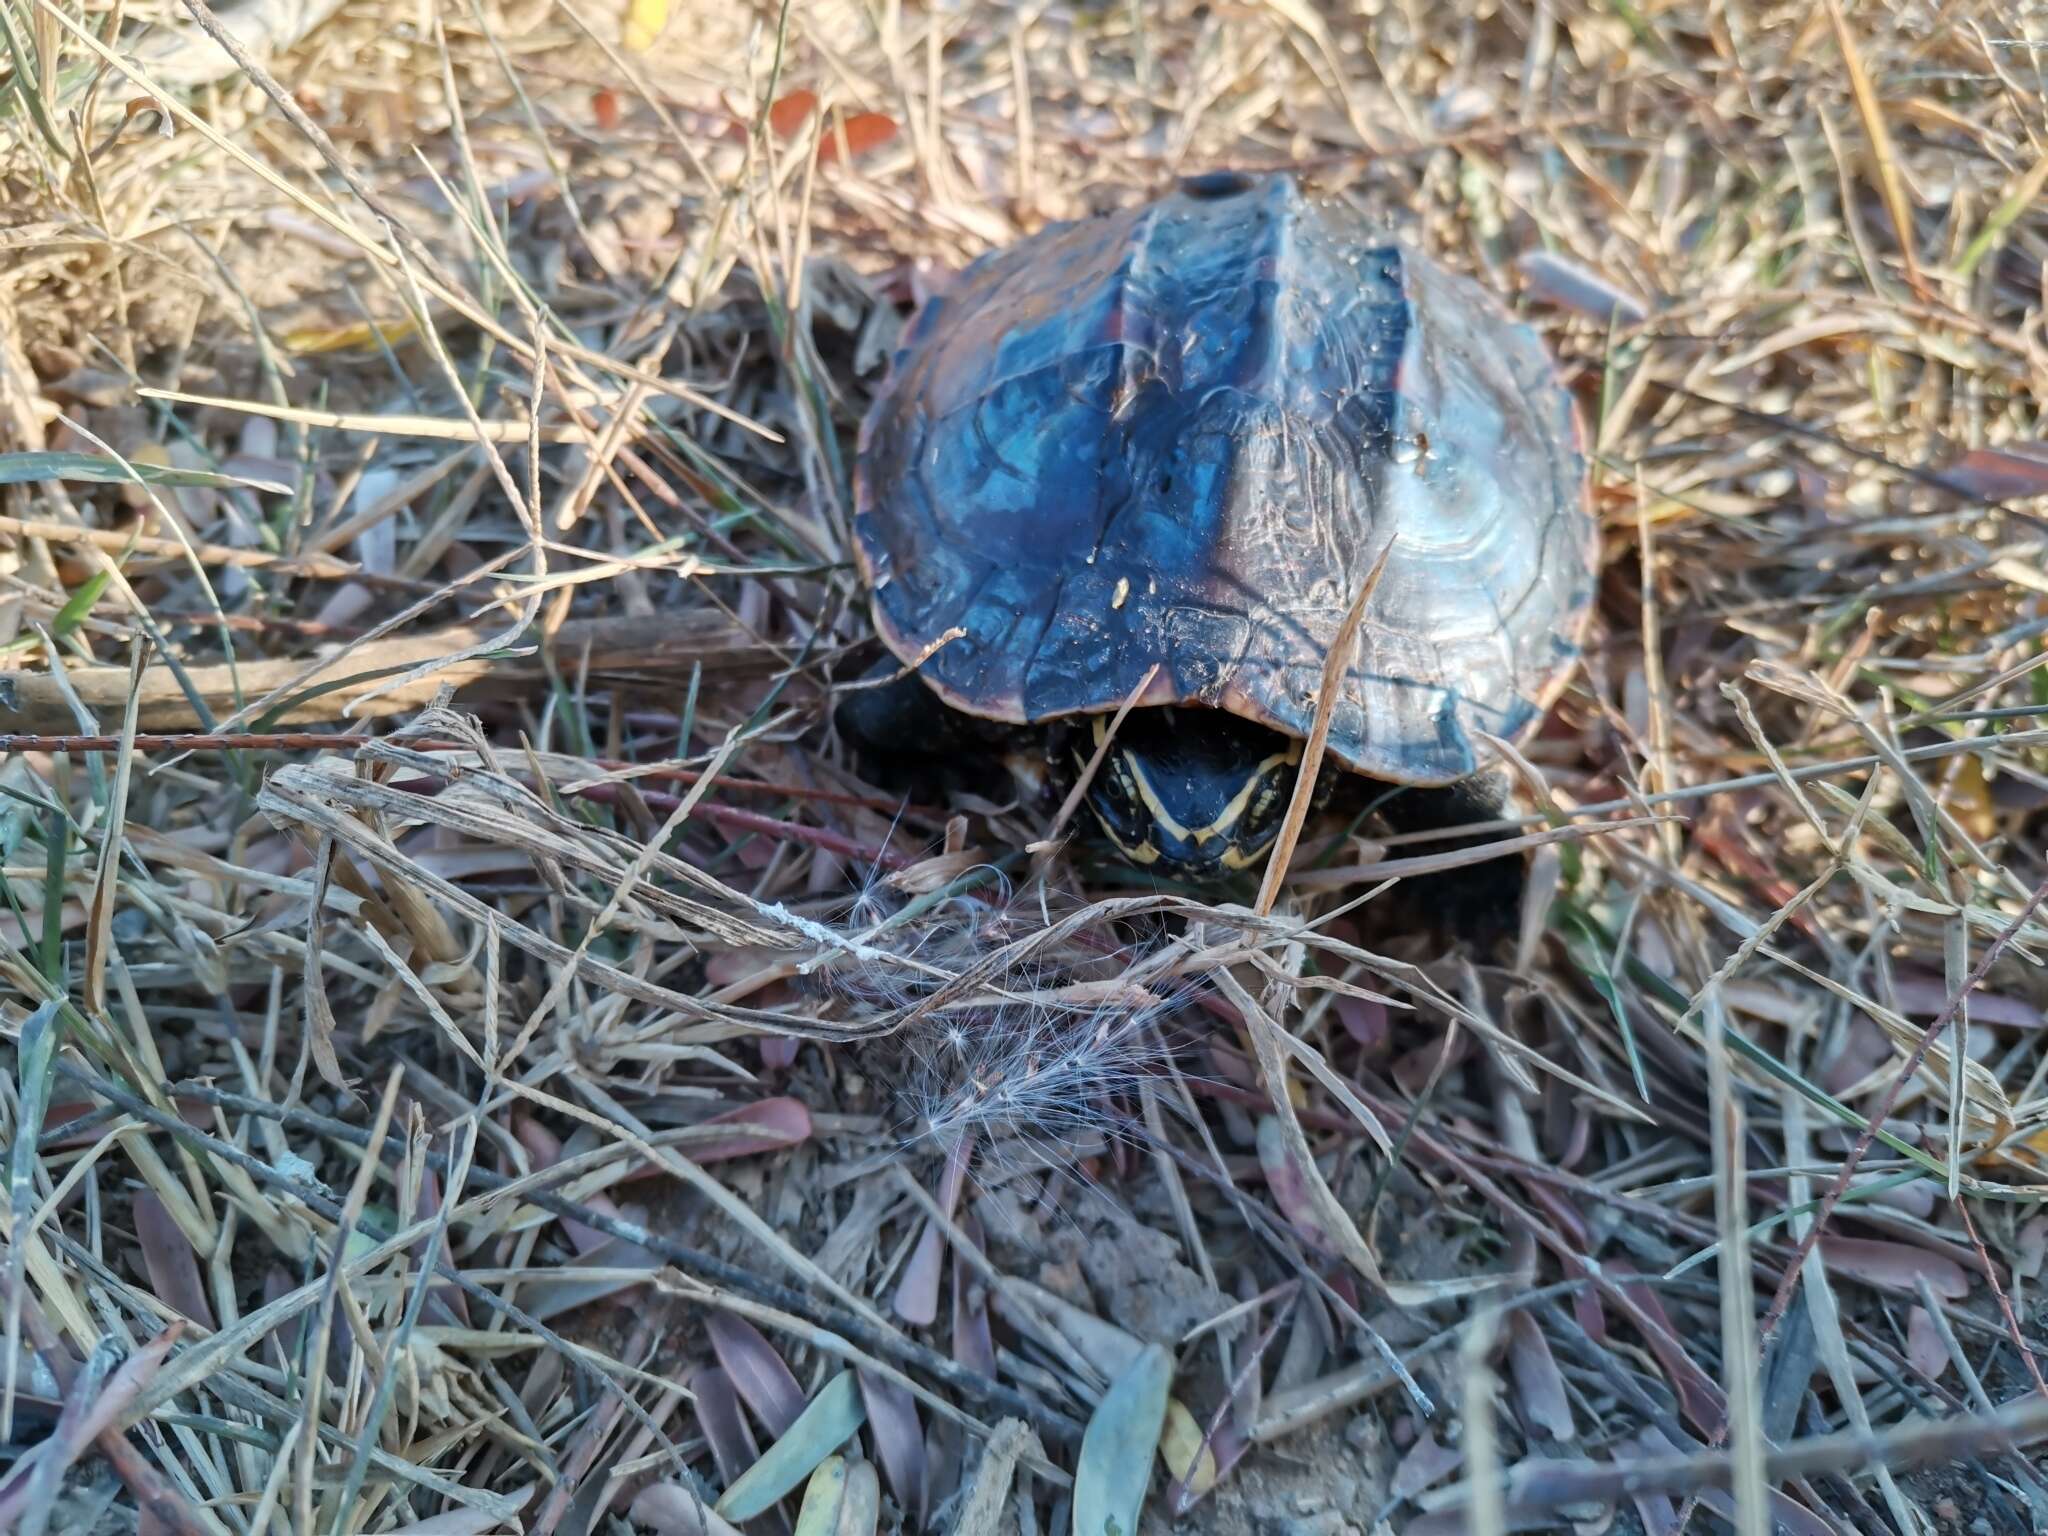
pixel 1548 1484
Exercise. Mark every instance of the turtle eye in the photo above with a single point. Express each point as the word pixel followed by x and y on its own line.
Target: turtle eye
pixel 1214 186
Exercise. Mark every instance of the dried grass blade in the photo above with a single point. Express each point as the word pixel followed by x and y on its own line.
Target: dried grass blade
pixel 319 1012
pixel 423 1284
pixel 1486 1509
pixel 35 1054
pixel 1334 667
pixel 330 1298
pixel 1266 1037
pixel 101 469
pixel 2017 202
pixel 1739 1362
pixel 99 931
pixel 1089 769
pixel 1890 182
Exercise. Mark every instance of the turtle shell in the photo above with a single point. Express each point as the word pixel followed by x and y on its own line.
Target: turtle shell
pixel 1183 434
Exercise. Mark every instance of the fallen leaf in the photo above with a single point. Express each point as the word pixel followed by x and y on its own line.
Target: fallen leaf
pixel 973 1339
pixel 860 1507
pixel 768 1125
pixel 2002 474
pixel 1115 1465
pixel 789 112
pixel 1182 1448
pixel 167 1255
pixel 830 1420
pixel 1427 1463
pixel 717 1406
pixel 670 1509
pixel 1926 1351
pixel 1539 1385
pixel 1894 1266
pixel 823 1494
pixel 1922 995
pixel 898 1440
pixel 1572 285
pixel 2033 1248
pixel 1364 1020
pixel 756 1371
pixel 1290 1188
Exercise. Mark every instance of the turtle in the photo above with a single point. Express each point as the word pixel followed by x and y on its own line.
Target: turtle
pixel 1147 461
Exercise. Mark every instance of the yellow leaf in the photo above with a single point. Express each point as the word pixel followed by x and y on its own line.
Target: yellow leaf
pixel 347 338
pixel 1889 181
pixel 644 21
pixel 1970 799
pixel 1181 1448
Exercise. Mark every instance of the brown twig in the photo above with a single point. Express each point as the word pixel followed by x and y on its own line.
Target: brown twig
pixel 1546 1484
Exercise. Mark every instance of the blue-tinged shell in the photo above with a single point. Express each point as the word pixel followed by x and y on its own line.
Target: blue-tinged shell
pixel 1183 434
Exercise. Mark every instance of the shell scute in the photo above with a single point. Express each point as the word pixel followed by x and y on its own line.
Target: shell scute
pixel 1183 434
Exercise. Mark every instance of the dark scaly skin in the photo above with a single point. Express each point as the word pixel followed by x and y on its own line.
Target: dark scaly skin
pixel 1477 902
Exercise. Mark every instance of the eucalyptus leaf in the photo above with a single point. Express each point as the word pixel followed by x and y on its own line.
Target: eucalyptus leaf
pixel 822 1497
pixel 832 1417
pixel 860 1507
pixel 1117 1448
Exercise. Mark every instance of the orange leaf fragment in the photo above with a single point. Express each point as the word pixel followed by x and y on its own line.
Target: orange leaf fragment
pixel 788 113
pixel 861 132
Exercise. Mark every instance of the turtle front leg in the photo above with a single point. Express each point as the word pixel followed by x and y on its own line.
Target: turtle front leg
pixel 1479 901
pixel 892 715
pixel 909 742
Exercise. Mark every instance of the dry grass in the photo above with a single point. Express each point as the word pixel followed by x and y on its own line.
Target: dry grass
pixel 485 1111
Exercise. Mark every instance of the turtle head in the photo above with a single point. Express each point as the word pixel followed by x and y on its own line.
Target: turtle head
pixel 1195 793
